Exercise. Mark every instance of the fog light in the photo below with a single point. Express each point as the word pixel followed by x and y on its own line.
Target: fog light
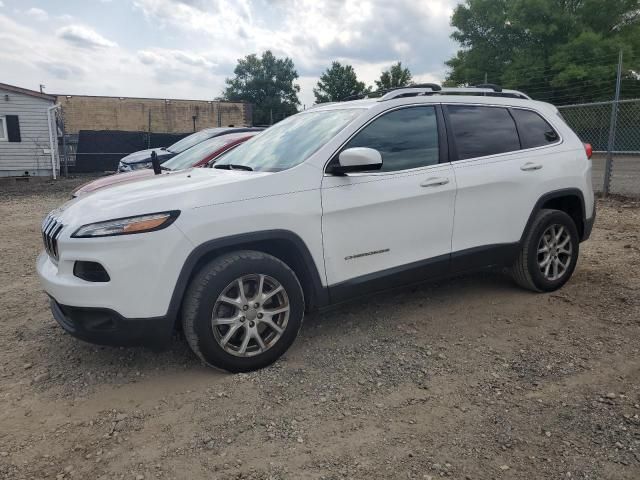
pixel 90 271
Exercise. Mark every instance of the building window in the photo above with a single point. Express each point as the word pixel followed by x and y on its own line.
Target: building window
pixel 3 129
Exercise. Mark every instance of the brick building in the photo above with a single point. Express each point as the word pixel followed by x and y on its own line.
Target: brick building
pixel 83 112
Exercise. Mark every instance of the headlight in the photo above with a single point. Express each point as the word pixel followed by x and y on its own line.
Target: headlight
pixel 138 166
pixel 128 225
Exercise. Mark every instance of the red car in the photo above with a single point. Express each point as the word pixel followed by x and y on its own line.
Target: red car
pixel 199 155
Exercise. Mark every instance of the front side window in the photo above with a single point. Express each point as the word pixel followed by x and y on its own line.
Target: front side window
pixel 480 131
pixel 406 138
pixel 3 129
pixel 291 141
pixel 534 130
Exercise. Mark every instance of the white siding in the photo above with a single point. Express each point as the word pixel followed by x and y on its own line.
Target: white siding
pixel 28 155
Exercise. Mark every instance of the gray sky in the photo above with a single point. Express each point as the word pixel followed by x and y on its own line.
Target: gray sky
pixel 186 48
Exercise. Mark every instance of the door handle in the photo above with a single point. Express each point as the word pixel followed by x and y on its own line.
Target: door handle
pixel 529 166
pixel 434 182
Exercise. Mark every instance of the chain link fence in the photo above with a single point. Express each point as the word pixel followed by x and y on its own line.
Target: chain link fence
pixel 613 130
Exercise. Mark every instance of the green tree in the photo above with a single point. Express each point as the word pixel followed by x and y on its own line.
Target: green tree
pixel 396 76
pixel 268 83
pixel 563 51
pixel 338 82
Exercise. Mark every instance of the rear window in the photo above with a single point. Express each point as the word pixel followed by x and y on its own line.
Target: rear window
pixel 534 130
pixel 480 131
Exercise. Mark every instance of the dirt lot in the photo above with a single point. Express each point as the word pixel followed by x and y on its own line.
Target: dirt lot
pixel 470 378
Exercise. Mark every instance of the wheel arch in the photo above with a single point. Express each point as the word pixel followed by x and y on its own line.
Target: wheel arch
pixel 282 244
pixel 568 200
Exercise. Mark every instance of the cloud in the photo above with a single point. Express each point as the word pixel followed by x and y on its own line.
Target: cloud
pixel 168 58
pixel 179 67
pixel 193 60
pixel 1 4
pixel 37 13
pixel 63 71
pixel 84 37
pixel 370 35
pixel 186 48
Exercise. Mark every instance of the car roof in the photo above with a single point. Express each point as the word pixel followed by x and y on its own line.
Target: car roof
pixel 413 95
pixel 217 131
pixel 233 136
pixel 429 99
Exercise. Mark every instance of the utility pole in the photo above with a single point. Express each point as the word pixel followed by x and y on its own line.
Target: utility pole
pixel 485 78
pixel 612 130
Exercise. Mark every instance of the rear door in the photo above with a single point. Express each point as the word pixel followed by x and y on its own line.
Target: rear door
pixel 500 174
pixel 394 225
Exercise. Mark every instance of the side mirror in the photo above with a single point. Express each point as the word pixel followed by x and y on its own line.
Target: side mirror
pixel 357 159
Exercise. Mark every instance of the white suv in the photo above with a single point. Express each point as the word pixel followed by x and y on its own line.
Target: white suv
pixel 331 203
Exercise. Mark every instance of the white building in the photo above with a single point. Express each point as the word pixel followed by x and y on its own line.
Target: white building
pixel 28 134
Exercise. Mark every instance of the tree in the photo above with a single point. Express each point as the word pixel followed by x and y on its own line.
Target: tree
pixel 338 82
pixel 268 83
pixel 562 51
pixel 396 76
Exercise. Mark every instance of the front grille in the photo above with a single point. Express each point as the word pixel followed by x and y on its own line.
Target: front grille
pixel 51 229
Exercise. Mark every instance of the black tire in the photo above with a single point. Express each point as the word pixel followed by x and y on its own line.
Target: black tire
pixel 526 271
pixel 210 282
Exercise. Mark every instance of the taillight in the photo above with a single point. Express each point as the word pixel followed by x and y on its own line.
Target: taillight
pixel 589 149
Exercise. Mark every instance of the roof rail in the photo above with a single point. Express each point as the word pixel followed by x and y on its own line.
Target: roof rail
pixel 487 92
pixel 492 86
pixel 410 91
pixel 484 89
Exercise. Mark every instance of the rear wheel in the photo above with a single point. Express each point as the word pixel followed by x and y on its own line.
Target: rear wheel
pixel 242 311
pixel 549 252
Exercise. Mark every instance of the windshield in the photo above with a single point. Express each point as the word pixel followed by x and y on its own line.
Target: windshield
pixel 291 141
pixel 188 142
pixel 190 157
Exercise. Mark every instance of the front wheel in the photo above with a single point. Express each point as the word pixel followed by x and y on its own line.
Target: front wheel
pixel 242 311
pixel 549 253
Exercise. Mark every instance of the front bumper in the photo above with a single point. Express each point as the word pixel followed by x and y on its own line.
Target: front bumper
pixel 106 327
pixel 143 270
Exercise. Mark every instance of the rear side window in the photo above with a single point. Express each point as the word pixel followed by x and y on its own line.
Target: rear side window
pixel 534 130
pixel 480 131
pixel 406 138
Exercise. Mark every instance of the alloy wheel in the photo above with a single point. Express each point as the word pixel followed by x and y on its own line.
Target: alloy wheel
pixel 250 315
pixel 555 252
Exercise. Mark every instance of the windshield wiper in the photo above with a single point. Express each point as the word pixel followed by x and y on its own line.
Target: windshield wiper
pixel 165 168
pixel 233 166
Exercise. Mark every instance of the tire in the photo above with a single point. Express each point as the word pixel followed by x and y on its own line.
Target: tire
pixel 208 316
pixel 530 270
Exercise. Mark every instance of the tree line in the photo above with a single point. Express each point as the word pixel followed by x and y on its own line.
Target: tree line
pixel 269 84
pixel 560 51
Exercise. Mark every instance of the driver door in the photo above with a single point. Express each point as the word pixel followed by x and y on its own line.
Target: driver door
pixel 394 225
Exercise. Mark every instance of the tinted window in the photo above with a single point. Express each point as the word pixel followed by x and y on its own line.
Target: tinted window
pixel 534 130
pixel 406 138
pixel 480 131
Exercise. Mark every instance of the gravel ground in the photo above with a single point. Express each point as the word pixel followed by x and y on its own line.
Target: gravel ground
pixel 470 378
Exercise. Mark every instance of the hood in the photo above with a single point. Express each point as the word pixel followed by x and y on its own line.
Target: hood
pixel 181 190
pixel 112 180
pixel 145 156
